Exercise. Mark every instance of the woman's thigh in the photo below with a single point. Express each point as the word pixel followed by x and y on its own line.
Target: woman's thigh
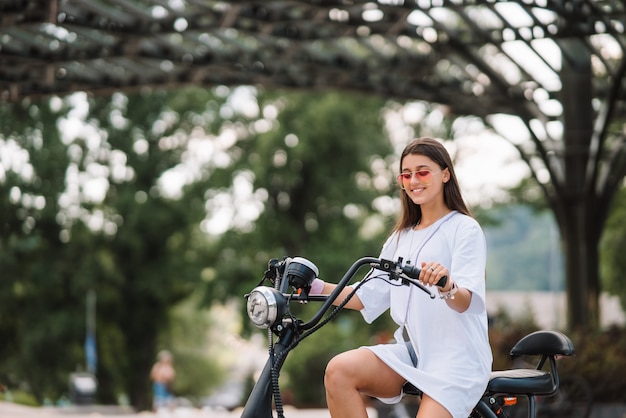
pixel 429 408
pixel 361 369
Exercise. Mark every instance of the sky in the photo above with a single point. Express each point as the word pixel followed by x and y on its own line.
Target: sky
pixel 489 165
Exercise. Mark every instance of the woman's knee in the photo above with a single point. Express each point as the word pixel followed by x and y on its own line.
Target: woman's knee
pixel 361 370
pixel 340 369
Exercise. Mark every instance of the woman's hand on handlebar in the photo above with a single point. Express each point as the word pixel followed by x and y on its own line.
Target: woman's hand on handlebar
pixel 317 287
pixel 432 273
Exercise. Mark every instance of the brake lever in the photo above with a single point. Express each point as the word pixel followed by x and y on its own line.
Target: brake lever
pixel 417 283
pixel 407 273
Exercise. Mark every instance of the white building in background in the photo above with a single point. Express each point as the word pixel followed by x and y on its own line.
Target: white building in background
pixel 548 309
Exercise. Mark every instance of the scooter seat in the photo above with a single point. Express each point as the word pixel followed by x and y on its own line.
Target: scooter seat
pixel 521 381
pixel 410 389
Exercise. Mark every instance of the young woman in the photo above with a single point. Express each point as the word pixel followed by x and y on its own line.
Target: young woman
pixel 441 345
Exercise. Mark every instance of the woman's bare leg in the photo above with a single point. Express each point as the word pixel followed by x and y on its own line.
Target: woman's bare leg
pixel 429 408
pixel 353 374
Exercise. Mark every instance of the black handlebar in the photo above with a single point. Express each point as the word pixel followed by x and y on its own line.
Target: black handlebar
pixel 328 300
pixel 414 273
pixel 397 268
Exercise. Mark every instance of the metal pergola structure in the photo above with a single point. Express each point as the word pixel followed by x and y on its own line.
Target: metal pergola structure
pixel 557 65
pixel 477 56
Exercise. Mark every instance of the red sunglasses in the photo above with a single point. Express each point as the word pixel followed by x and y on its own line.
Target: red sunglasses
pixel 422 175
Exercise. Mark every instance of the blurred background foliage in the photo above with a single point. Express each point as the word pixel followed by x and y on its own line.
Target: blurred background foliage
pixel 168 204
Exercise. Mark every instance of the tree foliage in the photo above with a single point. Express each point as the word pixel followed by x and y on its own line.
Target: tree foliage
pixel 89 210
pixel 315 176
pixel 41 273
pixel 612 246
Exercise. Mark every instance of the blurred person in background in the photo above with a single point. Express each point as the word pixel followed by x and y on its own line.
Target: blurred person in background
pixel 162 376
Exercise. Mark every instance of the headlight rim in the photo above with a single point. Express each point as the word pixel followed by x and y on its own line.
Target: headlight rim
pixel 274 302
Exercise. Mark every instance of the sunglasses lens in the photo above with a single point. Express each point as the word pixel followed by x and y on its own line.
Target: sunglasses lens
pixel 422 175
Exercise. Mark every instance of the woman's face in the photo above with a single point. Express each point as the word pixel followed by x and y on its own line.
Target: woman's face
pixel 422 179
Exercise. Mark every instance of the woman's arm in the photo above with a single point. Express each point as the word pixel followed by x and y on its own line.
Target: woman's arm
pixel 458 299
pixel 319 287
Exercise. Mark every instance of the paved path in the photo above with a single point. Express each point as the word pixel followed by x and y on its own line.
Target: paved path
pixel 10 410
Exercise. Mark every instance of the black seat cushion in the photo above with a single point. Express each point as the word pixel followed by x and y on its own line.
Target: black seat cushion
pixel 521 381
pixel 410 389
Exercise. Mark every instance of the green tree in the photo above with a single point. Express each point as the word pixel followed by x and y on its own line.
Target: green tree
pixel 317 176
pixel 613 263
pixel 312 185
pixel 139 249
pixel 151 261
pixel 41 338
pixel 324 175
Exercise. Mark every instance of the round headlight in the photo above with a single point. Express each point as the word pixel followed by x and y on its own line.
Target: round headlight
pixel 265 306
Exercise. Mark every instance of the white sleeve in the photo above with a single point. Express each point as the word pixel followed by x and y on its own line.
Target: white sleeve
pixel 374 294
pixel 469 263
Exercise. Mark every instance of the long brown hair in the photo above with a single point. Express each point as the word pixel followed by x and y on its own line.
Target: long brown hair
pixel 411 213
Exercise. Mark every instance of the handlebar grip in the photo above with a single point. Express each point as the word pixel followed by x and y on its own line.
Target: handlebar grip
pixel 414 273
pixel 411 271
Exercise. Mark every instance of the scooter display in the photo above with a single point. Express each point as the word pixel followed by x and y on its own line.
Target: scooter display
pixel 289 281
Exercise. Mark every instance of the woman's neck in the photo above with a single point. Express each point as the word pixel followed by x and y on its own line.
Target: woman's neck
pixel 431 216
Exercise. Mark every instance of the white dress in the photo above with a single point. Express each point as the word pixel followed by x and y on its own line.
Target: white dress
pixel 453 351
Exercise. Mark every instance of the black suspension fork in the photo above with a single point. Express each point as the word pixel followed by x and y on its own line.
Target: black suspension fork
pixel 259 403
